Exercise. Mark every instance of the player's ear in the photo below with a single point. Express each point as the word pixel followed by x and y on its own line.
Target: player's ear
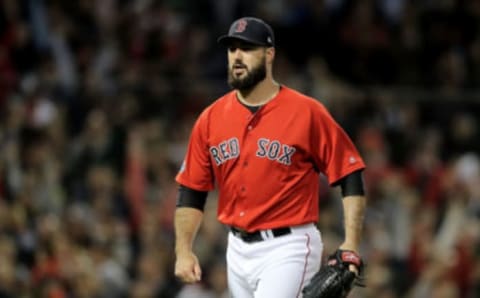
pixel 270 53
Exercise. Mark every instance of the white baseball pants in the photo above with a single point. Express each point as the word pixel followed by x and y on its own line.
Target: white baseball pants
pixel 275 267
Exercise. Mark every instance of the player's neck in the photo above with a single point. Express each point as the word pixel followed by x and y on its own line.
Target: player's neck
pixel 262 93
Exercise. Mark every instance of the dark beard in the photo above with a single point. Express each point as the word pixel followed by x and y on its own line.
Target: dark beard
pixel 253 77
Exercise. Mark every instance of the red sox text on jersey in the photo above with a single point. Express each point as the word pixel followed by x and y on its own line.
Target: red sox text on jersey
pixel 273 150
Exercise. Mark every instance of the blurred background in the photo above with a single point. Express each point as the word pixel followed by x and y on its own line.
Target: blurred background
pixel 97 99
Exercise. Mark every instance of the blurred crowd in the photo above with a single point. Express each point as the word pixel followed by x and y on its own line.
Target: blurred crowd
pixel 97 99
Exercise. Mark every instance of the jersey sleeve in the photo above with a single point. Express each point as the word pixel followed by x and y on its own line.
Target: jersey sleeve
pixel 334 152
pixel 196 170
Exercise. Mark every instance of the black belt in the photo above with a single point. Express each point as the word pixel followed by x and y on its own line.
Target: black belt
pixel 257 235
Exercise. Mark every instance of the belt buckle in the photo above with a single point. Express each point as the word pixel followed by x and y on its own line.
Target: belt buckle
pixel 238 232
pixel 243 234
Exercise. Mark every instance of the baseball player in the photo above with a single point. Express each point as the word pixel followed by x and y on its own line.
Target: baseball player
pixel 263 145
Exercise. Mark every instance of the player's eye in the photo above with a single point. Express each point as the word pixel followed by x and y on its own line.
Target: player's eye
pixel 244 48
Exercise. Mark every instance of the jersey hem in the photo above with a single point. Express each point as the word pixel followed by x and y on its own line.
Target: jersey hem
pixel 270 226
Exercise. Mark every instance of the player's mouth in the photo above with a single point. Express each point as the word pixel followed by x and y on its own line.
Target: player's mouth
pixel 238 69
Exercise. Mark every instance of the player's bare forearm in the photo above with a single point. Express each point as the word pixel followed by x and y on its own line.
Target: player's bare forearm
pixel 187 222
pixel 354 209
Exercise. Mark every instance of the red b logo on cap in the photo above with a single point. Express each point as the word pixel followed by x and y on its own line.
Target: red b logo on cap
pixel 241 25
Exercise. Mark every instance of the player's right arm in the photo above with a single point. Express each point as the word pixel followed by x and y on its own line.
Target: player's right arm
pixel 195 179
pixel 187 222
pixel 188 217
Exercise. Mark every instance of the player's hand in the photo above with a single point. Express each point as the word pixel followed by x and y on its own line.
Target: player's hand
pixel 351 267
pixel 187 267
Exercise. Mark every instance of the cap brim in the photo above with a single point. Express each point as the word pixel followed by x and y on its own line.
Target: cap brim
pixel 227 40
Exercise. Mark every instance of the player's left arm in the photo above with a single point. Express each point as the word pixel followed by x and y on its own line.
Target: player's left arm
pixel 354 209
pixel 354 202
pixel 338 158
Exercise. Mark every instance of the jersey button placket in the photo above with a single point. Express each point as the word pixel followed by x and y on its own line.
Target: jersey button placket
pixel 251 122
pixel 242 189
pixel 240 205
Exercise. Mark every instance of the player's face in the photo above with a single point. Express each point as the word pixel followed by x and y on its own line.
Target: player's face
pixel 246 66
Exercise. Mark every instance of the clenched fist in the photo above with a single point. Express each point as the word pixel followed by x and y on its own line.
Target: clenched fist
pixel 187 267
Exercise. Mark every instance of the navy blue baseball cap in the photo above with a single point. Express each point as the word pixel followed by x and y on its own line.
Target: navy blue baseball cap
pixel 251 30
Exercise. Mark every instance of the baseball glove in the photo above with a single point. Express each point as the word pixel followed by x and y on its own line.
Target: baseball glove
pixel 335 280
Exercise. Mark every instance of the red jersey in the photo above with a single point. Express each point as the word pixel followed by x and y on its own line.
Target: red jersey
pixel 266 164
